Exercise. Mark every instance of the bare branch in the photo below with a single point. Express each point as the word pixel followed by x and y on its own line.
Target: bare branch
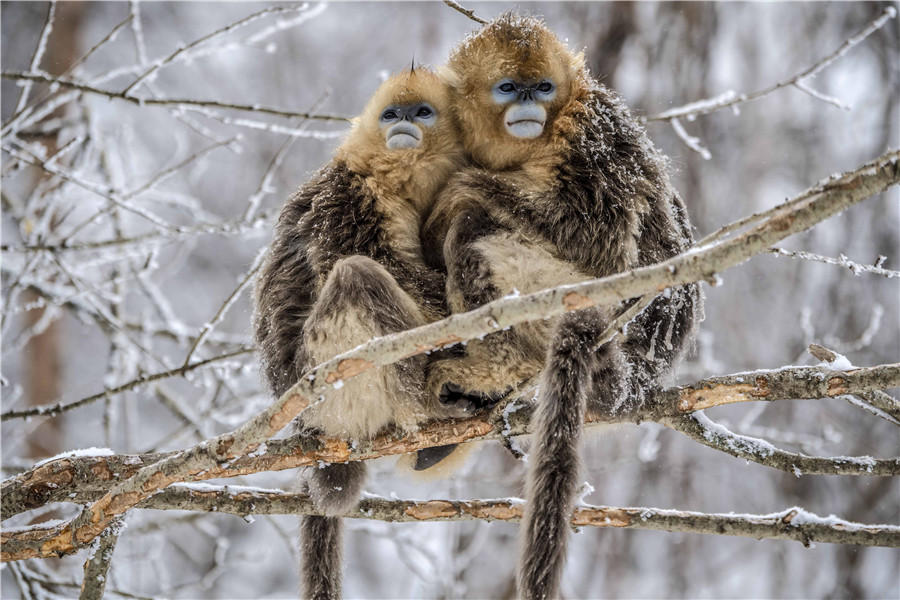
pixel 824 201
pixel 842 261
pixel 61 407
pixel 183 102
pixel 468 12
pixel 96 567
pixel 791 524
pixel 703 107
pixel 700 428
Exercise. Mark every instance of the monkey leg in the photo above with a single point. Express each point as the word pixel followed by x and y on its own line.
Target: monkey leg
pixel 359 301
pixel 555 462
pixel 486 261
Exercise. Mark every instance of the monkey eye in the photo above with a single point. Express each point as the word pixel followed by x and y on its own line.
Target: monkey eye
pixel 389 115
pixel 545 86
pixel 507 88
pixel 423 112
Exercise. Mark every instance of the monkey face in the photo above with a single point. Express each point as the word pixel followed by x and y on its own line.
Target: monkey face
pixel 405 125
pixel 515 88
pixel 525 111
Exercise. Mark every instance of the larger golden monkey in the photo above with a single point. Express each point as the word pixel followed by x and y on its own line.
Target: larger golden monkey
pixel 568 187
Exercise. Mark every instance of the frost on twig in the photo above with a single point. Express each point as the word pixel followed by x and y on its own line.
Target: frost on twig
pixel 819 203
pixel 84 479
pixel 468 12
pixel 800 81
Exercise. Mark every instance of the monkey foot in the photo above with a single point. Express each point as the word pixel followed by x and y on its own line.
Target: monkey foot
pixel 469 401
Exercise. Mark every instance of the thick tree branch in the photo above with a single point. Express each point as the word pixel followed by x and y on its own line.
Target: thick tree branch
pixel 825 200
pixel 84 479
pixel 791 524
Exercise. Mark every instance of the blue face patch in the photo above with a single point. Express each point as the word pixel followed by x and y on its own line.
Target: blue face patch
pixel 508 90
pixel 420 112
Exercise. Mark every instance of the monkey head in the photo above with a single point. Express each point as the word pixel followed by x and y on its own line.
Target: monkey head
pixel 405 135
pixel 513 83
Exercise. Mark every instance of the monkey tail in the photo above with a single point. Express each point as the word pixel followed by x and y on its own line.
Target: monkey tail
pixel 321 555
pixel 552 480
pixel 335 489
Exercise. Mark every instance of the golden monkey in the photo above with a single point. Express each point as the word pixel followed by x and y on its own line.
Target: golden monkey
pixel 345 266
pixel 567 187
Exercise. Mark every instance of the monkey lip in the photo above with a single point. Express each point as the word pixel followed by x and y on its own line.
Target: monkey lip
pixel 525 128
pixel 403 135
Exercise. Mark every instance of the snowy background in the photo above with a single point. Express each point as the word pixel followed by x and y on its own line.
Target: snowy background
pixel 77 320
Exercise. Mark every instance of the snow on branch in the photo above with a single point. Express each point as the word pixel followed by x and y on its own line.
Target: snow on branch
pixel 466 11
pixel 791 524
pixel 171 102
pixel 800 81
pixel 85 477
pixel 823 201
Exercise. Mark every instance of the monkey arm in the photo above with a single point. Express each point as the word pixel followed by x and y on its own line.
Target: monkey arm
pixel 284 294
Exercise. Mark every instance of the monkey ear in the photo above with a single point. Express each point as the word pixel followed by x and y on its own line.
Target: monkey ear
pixel 578 61
pixel 450 77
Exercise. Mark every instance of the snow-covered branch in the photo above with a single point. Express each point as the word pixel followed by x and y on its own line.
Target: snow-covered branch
pixel 84 479
pixel 819 203
pixel 791 524
pixel 731 98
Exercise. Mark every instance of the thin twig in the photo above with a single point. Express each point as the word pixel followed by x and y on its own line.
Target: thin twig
pixel 466 11
pixel 61 407
pixel 703 107
pixel 222 31
pixel 37 56
pixel 229 301
pixel 841 261
pixel 139 101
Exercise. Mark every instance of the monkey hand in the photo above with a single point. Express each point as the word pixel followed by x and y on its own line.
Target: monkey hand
pixel 462 385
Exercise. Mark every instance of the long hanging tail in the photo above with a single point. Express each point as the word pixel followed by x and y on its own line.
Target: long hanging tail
pixel 552 481
pixel 334 489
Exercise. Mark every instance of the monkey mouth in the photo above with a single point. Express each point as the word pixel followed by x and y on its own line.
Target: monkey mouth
pixel 525 128
pixel 403 135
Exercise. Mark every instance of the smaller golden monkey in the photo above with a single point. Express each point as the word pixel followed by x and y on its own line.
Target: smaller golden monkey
pixel 345 266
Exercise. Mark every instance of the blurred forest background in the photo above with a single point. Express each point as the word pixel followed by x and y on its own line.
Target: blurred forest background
pixel 119 268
